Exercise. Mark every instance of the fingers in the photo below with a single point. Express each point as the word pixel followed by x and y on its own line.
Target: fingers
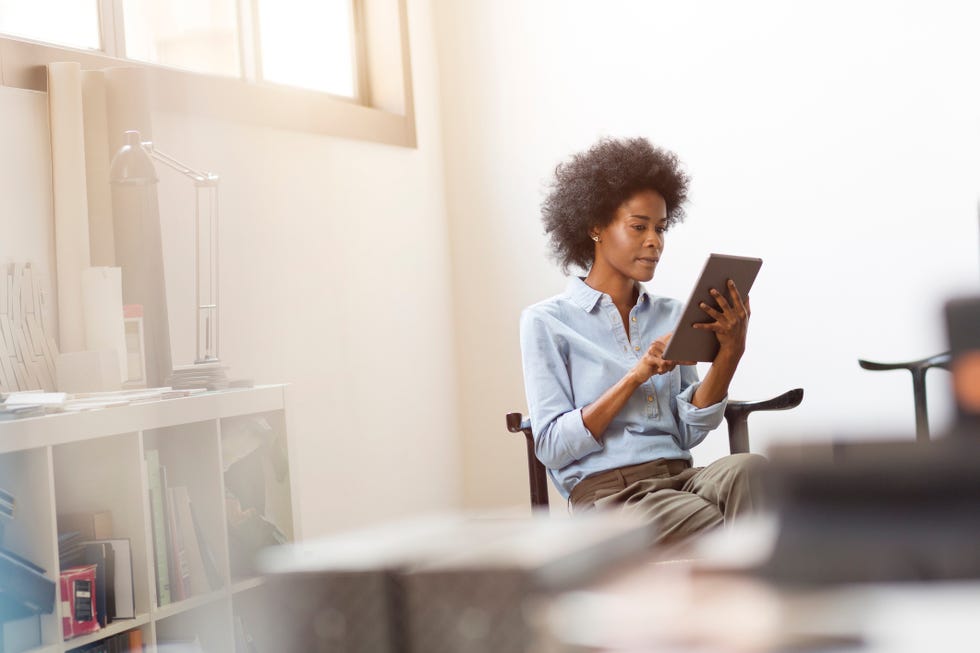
pixel 737 309
pixel 657 347
pixel 654 356
pixel 737 304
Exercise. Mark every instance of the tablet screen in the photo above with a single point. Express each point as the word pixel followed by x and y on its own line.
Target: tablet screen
pixel 690 344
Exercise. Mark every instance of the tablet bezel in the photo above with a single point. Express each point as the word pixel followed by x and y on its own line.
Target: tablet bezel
pixel 690 344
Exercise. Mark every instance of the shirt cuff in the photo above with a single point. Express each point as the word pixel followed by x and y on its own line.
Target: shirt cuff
pixel 576 437
pixel 708 418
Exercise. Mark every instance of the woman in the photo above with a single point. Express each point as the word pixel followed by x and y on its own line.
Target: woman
pixel 613 421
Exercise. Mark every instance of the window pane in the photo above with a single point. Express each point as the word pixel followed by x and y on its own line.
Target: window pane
pixel 308 44
pixel 77 23
pixel 199 35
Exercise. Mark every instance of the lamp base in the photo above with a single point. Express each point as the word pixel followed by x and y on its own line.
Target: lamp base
pixel 212 376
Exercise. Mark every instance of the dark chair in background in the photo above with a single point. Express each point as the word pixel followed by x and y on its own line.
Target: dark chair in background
pixel 736 414
pixel 918 369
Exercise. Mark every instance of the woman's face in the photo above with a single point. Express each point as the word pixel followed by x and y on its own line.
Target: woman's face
pixel 632 243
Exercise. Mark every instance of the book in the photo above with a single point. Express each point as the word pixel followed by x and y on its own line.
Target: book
pixel 121 602
pixel 94 525
pixel 244 643
pixel 70 549
pixel 196 575
pixel 100 554
pixel 24 589
pixel 158 521
pixel 79 609
pixel 179 571
pixel 210 565
pixel 7 504
pixel 135 640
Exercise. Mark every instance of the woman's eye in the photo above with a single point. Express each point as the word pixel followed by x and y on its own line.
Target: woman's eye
pixel 639 227
pixel 661 230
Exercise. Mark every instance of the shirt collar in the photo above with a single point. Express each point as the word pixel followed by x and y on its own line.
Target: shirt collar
pixel 586 297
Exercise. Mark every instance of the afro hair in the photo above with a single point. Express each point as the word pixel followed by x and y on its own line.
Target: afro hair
pixel 591 185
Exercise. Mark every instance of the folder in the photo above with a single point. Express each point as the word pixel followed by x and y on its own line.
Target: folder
pixel 24 589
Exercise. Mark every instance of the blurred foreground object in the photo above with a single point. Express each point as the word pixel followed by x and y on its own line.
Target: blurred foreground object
pixel 452 583
pixel 876 511
pixel 963 330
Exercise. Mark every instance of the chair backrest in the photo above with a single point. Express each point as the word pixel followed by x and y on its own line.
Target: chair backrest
pixel 736 415
pixel 918 368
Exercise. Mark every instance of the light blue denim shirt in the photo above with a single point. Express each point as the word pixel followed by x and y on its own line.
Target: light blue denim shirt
pixel 574 348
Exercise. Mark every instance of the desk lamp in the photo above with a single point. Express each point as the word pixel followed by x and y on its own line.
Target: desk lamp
pixel 132 167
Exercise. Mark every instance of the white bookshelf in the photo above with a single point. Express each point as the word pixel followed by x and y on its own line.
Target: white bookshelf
pixel 95 461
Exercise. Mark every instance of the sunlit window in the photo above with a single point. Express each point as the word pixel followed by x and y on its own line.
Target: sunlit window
pixel 198 35
pixel 77 23
pixel 308 44
pixel 304 43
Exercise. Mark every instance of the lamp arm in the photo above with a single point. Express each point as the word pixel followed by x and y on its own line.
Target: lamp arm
pixel 200 177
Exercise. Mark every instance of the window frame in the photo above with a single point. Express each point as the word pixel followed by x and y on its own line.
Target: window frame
pixel 246 100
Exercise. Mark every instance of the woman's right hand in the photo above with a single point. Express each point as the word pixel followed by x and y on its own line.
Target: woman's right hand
pixel 653 362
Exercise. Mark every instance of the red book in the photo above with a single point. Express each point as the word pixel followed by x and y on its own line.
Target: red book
pixel 78 601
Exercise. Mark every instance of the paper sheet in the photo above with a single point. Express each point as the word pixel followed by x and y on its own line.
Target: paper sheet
pixel 103 307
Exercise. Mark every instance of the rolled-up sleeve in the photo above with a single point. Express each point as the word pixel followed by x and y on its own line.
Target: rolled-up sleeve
pixel 695 423
pixel 560 435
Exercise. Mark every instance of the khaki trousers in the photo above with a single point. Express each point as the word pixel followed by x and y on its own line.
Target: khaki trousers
pixel 679 499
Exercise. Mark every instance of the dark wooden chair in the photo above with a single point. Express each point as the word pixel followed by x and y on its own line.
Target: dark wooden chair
pixel 918 368
pixel 736 414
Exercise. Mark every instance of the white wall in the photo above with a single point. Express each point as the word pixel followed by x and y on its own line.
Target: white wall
pixel 838 141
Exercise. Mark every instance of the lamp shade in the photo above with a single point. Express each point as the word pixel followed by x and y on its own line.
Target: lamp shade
pixel 132 164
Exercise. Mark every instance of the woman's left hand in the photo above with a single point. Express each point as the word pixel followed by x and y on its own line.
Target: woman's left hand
pixel 731 323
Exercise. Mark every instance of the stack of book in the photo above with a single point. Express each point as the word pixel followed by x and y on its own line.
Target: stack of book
pixel 130 641
pixel 88 552
pixel 7 505
pixel 25 591
pixel 185 564
pixel 70 549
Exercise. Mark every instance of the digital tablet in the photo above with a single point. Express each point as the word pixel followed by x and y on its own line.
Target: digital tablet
pixel 690 344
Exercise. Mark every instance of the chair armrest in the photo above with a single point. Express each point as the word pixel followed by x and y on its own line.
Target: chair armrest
pixel 918 368
pixel 517 423
pixel 536 473
pixel 737 416
pixel 939 360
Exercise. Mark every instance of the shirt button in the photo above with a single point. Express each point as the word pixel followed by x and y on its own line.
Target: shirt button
pixel 634 318
pixel 637 348
pixel 649 398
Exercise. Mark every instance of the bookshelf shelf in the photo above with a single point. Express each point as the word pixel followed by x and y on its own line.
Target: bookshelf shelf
pixel 223 461
pixel 247 584
pixel 45 649
pixel 116 627
pixel 192 603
